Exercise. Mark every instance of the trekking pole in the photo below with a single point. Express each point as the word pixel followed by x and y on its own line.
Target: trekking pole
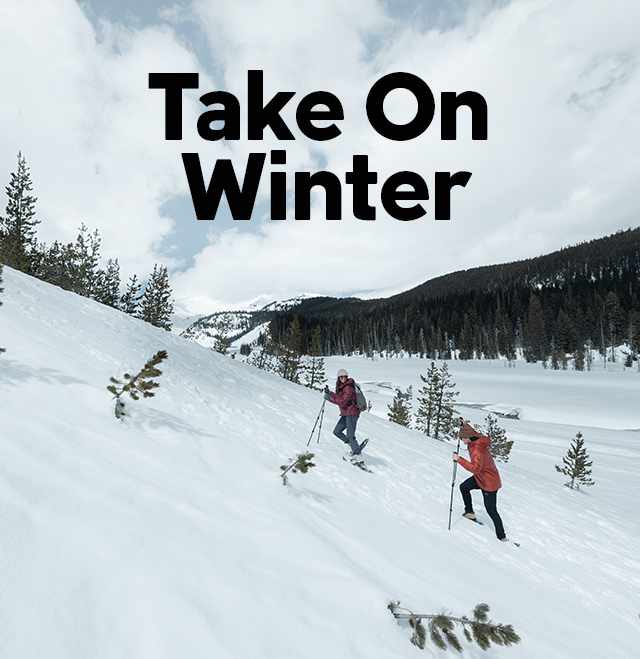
pixel 321 417
pixel 318 418
pixel 455 465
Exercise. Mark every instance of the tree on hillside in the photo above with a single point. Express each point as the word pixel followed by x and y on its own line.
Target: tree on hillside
pixel 131 297
pixel 615 321
pixel 436 415
pixel 86 256
pixel 535 344
pixel 156 306
pixel 141 384
pixel 400 408
pixel 57 264
pixel 566 335
pixel 222 327
pixel 290 352
pixel 634 336
pixel 500 445
pixel 264 354
pixel 445 424
pixel 18 244
pixel 466 339
pixel 426 412
pixel 107 288
pixel 576 464
pixel 313 365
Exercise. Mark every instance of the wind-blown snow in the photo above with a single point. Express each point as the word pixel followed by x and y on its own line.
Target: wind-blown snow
pixel 170 534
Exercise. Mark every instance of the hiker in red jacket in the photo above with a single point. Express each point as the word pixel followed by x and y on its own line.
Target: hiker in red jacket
pixel 345 398
pixel 485 476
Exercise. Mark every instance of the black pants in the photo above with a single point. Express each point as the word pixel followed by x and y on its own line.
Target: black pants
pixel 490 503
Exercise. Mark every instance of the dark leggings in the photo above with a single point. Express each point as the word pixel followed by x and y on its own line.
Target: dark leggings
pixel 490 503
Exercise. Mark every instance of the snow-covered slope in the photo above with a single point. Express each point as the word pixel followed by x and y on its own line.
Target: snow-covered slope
pixel 171 535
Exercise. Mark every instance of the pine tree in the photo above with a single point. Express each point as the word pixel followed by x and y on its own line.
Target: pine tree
pixel 86 256
pixel 535 337
pixel 566 334
pixel 436 415
pixel 18 244
pixel 445 423
pixel 615 321
pixel 290 352
pixel 131 297
pixel 221 341
pixel 107 289
pixel 141 384
pixel 427 400
pixel 500 445
pixel 57 265
pixel 466 339
pixel 634 336
pixel 156 306
pixel 400 408
pixel 313 366
pixel 264 355
pixel 576 464
pixel 479 629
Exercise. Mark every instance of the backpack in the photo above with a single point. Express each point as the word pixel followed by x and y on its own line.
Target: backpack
pixel 361 401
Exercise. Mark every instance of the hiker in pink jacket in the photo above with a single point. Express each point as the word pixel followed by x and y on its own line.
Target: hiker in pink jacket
pixel 345 398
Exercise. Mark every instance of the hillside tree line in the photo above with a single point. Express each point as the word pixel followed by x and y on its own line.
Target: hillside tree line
pixel 76 266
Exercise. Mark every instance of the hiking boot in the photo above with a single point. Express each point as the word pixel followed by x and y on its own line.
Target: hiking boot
pixel 469 515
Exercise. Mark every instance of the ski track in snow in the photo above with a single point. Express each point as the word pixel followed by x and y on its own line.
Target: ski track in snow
pixel 170 534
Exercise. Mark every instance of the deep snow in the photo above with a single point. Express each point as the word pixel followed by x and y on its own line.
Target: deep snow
pixel 171 535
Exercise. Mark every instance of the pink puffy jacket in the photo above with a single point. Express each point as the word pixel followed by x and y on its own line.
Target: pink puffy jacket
pixel 345 399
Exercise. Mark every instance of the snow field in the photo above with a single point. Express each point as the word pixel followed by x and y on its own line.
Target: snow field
pixel 170 534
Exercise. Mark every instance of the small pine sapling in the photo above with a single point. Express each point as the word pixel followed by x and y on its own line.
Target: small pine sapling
pixel 137 385
pixel 576 464
pixel 479 629
pixel 302 464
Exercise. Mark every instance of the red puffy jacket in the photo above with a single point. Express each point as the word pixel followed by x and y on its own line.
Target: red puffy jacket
pixel 345 399
pixel 482 465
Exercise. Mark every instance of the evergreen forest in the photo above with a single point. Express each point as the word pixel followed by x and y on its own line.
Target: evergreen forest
pixel 555 308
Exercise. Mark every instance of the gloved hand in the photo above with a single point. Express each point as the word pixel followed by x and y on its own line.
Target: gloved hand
pixel 327 393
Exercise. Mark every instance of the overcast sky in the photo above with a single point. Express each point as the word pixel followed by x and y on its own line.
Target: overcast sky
pixel 560 165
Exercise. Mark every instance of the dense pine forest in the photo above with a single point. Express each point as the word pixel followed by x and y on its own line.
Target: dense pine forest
pixel 553 308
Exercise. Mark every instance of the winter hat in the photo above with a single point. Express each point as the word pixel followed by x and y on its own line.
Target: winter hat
pixel 467 431
pixel 342 372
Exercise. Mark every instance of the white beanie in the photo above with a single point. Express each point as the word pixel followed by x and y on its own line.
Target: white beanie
pixel 342 372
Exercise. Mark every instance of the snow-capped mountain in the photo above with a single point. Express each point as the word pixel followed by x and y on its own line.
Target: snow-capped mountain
pixel 170 534
pixel 237 324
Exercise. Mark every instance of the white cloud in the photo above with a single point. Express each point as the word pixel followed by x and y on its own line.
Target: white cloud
pixel 560 166
pixel 82 114
pixel 550 174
